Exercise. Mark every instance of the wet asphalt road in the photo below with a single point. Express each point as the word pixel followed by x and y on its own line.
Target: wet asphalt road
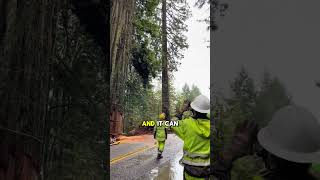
pixel 145 166
pixel 120 149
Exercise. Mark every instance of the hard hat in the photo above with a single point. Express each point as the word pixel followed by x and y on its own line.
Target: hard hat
pixel 201 104
pixel 293 134
pixel 162 116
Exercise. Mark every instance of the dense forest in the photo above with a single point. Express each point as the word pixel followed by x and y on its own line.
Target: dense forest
pixel 58 85
pixel 149 77
pixel 249 100
pixel 66 65
pixel 53 89
pixel 148 62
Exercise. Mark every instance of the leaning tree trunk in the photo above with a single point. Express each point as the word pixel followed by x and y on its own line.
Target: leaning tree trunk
pixel 26 33
pixel 122 12
pixel 165 76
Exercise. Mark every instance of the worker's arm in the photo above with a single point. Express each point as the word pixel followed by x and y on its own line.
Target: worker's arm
pixel 179 130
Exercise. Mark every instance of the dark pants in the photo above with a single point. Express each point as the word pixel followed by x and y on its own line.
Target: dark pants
pixel 196 172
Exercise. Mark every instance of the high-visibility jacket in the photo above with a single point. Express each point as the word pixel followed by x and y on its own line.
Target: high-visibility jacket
pixel 195 134
pixel 160 132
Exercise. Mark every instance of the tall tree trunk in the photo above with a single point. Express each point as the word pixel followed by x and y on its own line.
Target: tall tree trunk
pixel 165 76
pixel 27 31
pixel 122 12
pixel 214 153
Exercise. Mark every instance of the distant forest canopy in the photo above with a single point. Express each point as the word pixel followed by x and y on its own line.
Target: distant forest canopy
pixel 249 100
pixel 56 87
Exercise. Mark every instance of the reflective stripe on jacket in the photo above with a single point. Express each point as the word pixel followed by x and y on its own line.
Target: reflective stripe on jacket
pixel 195 134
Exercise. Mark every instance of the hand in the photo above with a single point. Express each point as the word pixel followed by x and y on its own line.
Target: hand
pixel 244 137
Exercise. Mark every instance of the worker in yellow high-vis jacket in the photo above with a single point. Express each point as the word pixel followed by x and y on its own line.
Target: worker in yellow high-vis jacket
pixel 160 134
pixel 195 133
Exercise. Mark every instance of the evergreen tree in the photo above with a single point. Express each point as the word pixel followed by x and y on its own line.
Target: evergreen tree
pixel 27 33
pixel 186 95
pixel 178 11
pixel 174 14
pixel 146 52
pixel 271 98
pixel 250 103
pixel 195 91
pixel 244 93
pixel 165 66
pixel 77 108
pixel 186 92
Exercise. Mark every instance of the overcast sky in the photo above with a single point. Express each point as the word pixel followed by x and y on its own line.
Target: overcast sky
pixel 195 66
pixel 282 36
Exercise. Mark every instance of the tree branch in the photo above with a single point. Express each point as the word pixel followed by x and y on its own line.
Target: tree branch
pixel 20 133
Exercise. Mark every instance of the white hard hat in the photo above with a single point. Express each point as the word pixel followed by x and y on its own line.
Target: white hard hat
pixel 292 134
pixel 201 104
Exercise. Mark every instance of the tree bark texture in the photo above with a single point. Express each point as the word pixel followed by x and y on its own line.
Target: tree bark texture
pixel 165 76
pixel 121 22
pixel 26 40
pixel 121 32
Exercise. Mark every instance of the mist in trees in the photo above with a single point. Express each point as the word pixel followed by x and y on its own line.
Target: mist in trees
pixel 250 100
pixel 145 103
pixel 157 48
pixel 173 17
pixel 55 80
pixel 187 95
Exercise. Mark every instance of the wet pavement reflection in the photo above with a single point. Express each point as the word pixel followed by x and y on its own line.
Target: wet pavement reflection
pixel 171 170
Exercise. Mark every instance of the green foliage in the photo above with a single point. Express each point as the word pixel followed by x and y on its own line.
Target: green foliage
pixel 249 102
pixel 77 110
pixel 186 95
pixel 146 50
pixel 244 95
pixel 217 8
pixel 246 168
pixel 145 103
pixel 271 97
pixel 189 94
pixel 178 11
pixel 315 170
pixel 141 103
pixel 146 54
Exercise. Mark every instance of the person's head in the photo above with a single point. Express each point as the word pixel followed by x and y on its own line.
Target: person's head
pixel 162 116
pixel 200 107
pixel 291 140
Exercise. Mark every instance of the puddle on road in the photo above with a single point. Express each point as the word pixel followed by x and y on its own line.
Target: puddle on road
pixel 170 170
